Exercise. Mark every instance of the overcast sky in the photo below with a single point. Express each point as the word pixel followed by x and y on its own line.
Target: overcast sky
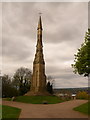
pixel 64 27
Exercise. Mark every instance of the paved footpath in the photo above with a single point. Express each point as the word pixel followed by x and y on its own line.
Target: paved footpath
pixel 60 110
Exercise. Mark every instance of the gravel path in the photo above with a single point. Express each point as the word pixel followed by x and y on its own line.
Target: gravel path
pixel 60 110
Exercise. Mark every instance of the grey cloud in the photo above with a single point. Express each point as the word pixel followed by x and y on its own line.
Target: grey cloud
pixel 89 14
pixel 15 48
pixel 75 82
pixel 64 26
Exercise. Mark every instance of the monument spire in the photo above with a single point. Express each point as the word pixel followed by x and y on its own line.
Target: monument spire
pixel 40 23
pixel 39 46
pixel 38 83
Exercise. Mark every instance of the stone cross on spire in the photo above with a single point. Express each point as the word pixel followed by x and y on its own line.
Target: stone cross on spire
pixel 40 22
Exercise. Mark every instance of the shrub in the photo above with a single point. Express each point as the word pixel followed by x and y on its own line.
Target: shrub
pixel 82 95
pixel 9 91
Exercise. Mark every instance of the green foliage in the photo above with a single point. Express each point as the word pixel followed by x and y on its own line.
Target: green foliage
pixel 10 112
pixel 8 99
pixel 50 84
pixel 7 89
pixel 49 88
pixel 21 80
pixel 18 85
pixel 82 58
pixel 82 95
pixel 84 108
pixel 39 99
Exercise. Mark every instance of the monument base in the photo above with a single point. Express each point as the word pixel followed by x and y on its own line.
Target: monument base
pixel 39 93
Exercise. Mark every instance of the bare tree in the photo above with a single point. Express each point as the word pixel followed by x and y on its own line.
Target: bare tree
pixel 22 79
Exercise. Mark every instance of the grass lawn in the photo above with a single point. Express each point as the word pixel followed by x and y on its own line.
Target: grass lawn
pixel 10 112
pixel 38 99
pixel 84 108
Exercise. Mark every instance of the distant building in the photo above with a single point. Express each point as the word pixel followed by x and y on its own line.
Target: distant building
pixel 74 96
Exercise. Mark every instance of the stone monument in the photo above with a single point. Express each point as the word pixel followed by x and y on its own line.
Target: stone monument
pixel 38 82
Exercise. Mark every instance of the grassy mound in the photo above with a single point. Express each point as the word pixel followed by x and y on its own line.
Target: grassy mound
pixel 39 99
pixel 84 108
pixel 10 112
